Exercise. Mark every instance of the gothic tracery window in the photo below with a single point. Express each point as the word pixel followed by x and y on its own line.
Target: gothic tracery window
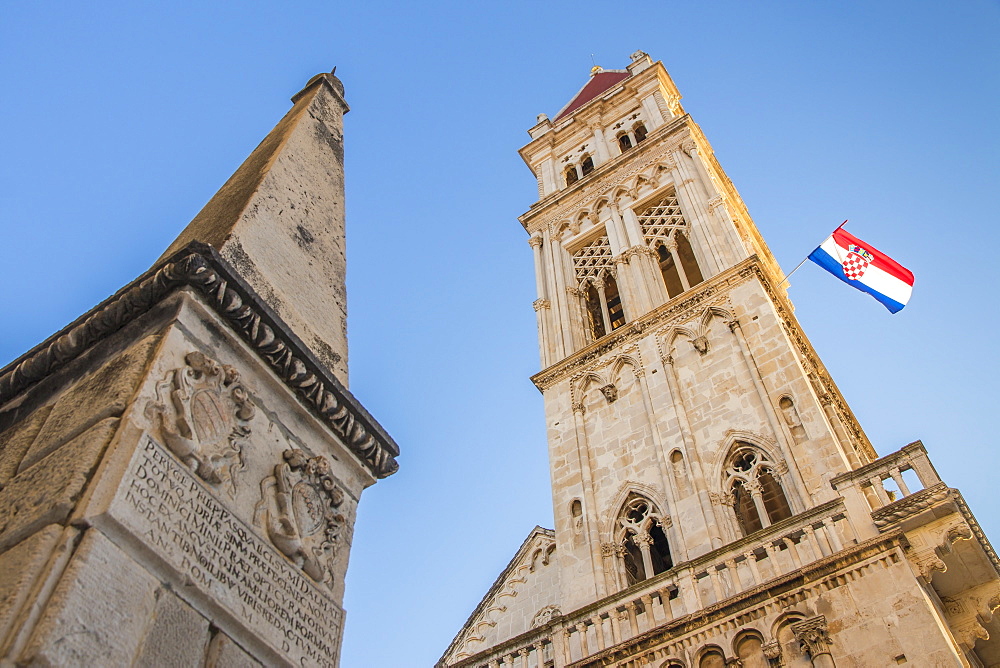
pixel 758 498
pixel 594 267
pixel 665 229
pixel 642 542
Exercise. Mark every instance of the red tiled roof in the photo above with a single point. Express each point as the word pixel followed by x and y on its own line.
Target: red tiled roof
pixel 598 83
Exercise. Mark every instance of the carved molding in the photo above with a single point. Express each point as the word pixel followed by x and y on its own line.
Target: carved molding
pixel 707 294
pixel 910 505
pixel 202 412
pixel 200 267
pixel 300 510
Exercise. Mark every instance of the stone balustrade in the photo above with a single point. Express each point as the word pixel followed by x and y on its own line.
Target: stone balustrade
pixel 864 489
pixel 688 588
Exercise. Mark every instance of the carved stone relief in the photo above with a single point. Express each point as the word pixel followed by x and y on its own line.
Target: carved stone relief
pixel 203 414
pixel 300 509
pixel 545 615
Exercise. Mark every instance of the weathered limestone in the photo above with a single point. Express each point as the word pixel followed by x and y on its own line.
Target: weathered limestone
pixel 180 468
pixel 716 502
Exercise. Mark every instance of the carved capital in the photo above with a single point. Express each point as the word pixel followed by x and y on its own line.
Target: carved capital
pixel 540 304
pixel 771 650
pixel 812 635
pixel 579 408
pixel 689 147
pixel 642 538
pixel 535 241
pixel 715 203
pixel 721 499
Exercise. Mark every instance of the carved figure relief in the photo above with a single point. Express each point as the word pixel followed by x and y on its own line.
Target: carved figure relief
pixel 792 419
pixel 610 392
pixel 300 510
pixel 202 412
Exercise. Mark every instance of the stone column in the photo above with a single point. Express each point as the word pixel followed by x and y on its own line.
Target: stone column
pixel 565 324
pixel 602 296
pixel 756 494
pixel 643 541
pixel 897 477
pixel 581 629
pixel 813 636
pixel 523 653
pixel 751 559
pixel 539 654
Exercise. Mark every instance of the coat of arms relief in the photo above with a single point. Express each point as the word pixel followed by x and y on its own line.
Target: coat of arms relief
pixel 300 509
pixel 203 412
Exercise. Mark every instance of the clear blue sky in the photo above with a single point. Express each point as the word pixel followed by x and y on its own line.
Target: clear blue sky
pixel 122 119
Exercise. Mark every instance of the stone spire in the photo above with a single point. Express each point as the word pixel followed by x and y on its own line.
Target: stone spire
pixel 280 221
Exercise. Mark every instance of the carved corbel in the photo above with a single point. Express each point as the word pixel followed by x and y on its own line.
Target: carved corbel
pixel 610 392
pixel 772 652
pixel 700 344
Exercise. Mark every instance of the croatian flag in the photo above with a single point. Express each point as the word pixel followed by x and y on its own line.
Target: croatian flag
pixel 866 268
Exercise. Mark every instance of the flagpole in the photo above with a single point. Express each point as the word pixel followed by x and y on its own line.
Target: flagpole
pixel 789 274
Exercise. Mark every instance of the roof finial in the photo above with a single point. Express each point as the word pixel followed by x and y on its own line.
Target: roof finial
pixel 596 68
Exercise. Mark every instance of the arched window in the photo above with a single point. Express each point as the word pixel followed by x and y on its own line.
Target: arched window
pixel 624 142
pixel 758 499
pixel 642 543
pixel 587 166
pixel 749 650
pixel 713 658
pixel 666 230
pixel 640 133
pixel 571 175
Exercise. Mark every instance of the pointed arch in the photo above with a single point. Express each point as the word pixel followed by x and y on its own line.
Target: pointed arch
pixel 626 489
pixel 583 384
pixel 619 364
pixel 752 481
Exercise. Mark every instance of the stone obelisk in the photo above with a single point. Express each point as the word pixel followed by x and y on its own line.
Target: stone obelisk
pixel 180 467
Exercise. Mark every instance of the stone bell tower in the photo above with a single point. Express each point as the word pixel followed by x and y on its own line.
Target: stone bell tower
pixel 715 498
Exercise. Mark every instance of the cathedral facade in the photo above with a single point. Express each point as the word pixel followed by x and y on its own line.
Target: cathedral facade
pixel 716 502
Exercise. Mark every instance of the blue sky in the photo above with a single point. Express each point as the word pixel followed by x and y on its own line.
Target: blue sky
pixel 122 119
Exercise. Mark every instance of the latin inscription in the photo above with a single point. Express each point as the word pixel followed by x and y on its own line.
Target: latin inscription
pixel 172 512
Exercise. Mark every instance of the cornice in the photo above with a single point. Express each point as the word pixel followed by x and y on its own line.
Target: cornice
pixel 199 267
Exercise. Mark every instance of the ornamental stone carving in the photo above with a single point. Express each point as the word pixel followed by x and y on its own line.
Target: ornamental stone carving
pixel 700 344
pixel 771 650
pixel 812 634
pixel 300 511
pixel 545 615
pixel 202 412
pixel 610 392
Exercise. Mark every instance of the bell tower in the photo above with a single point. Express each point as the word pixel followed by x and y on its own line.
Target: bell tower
pixel 685 408
pixel 714 496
